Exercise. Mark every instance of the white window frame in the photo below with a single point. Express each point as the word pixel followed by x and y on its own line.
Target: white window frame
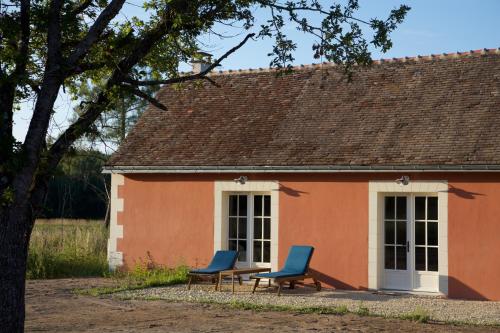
pixel 222 190
pixel 377 191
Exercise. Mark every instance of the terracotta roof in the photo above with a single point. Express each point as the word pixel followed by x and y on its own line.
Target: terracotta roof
pixel 424 111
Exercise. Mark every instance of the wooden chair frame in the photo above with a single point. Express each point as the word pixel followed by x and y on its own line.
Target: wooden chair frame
pixel 194 276
pixel 291 280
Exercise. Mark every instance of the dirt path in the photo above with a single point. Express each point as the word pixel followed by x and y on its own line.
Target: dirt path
pixel 52 307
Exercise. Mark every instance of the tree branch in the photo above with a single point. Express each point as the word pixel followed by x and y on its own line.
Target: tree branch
pixel 194 76
pixel 136 91
pixel 81 7
pixel 81 125
pixel 94 33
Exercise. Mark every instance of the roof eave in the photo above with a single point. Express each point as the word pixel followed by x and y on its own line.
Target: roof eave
pixel 300 169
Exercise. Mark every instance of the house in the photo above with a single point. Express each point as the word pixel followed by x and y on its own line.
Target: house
pixel 393 176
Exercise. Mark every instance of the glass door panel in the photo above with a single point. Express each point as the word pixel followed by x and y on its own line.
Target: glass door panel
pixel 238 226
pixel 249 228
pixel 395 231
pixel 396 234
pixel 262 229
pixel 426 234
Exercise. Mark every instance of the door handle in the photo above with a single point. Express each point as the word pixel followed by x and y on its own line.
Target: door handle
pixel 408 246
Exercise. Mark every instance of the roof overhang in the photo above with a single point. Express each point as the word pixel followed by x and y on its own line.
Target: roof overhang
pixel 299 169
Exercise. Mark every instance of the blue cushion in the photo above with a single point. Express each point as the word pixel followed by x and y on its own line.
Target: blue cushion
pixel 298 259
pixel 222 260
pixel 279 274
pixel 297 263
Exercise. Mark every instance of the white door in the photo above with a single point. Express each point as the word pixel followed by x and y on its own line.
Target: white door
pixel 397 266
pixel 411 246
pixel 249 227
pixel 426 243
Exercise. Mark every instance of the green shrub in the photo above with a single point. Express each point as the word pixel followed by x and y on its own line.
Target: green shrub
pixel 67 250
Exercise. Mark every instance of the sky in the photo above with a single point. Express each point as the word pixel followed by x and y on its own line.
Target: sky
pixel 431 27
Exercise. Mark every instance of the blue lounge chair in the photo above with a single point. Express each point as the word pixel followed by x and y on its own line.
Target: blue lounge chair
pixel 222 260
pixel 296 268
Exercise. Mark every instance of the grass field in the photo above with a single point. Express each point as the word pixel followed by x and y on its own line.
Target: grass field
pixel 67 248
pixel 62 248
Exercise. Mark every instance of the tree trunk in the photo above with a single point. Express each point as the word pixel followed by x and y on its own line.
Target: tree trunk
pixel 15 230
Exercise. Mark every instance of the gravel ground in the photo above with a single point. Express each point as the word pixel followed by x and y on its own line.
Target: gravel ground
pixel 392 305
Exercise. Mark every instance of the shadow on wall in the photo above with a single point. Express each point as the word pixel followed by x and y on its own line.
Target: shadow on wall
pixel 331 281
pixel 290 191
pixel 458 289
pixel 463 193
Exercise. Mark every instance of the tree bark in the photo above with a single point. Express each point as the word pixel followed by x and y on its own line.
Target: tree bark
pixel 15 228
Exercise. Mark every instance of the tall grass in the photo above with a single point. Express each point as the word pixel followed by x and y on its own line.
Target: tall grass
pixel 67 249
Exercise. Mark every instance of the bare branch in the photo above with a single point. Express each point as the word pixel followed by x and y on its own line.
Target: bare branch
pixel 145 96
pixel 194 76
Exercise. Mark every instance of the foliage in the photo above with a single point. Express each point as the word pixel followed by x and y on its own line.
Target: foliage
pixel 78 189
pixel 419 315
pixel 337 310
pixel 363 310
pixel 67 250
pixel 141 276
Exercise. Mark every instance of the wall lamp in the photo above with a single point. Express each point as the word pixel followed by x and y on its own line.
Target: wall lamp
pixel 404 180
pixel 242 180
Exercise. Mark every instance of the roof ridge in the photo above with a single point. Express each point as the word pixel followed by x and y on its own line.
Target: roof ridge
pixel 429 57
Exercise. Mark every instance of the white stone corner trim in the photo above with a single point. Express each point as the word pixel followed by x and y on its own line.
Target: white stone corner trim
pixel 115 258
pixel 221 190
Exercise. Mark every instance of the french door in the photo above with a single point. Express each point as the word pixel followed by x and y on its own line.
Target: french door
pixel 249 228
pixel 410 242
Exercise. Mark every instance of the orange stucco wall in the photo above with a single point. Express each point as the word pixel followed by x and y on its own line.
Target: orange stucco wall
pixel 329 213
pixel 474 237
pixel 167 218
pixel 171 217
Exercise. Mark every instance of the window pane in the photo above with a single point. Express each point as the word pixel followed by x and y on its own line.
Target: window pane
pixel 232 245
pixel 419 208
pixel 389 232
pixel 242 248
pixel 243 205
pixel 432 233
pixel 401 257
pixel 267 228
pixel 267 205
pixel 401 233
pixel 267 252
pixel 232 227
pixel 419 233
pixel 432 208
pixel 420 258
pixel 233 205
pixel 257 251
pixel 401 208
pixel 389 207
pixel 257 205
pixel 242 227
pixel 432 259
pixel 389 257
pixel 257 228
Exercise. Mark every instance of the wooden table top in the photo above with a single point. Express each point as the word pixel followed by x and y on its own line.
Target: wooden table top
pixel 246 270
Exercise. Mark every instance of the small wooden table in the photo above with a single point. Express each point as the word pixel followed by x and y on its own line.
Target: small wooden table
pixel 238 272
